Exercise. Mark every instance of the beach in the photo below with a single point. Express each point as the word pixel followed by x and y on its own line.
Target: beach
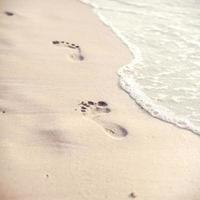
pixel 68 130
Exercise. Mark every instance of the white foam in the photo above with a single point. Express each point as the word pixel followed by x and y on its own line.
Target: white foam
pixel 134 89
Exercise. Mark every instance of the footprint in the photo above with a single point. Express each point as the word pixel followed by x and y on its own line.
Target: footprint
pixel 94 111
pixel 8 13
pixel 3 111
pixel 132 195
pixel 113 130
pixel 74 50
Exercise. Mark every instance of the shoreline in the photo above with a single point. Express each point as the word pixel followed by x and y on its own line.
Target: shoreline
pixel 50 148
pixel 133 88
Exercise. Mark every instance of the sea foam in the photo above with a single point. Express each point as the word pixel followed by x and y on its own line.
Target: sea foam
pixel 164 39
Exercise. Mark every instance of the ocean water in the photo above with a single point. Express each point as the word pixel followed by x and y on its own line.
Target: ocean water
pixel 164 39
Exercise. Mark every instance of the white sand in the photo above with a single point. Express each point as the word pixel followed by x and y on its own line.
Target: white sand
pixel 48 149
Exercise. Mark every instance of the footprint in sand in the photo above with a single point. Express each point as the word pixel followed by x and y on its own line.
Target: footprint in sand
pixel 8 13
pixel 94 111
pixel 132 195
pixel 74 50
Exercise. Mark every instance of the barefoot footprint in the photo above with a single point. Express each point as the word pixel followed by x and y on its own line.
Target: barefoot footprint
pixel 74 50
pixel 94 111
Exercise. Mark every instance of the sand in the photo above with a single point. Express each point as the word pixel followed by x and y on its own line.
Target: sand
pixel 54 144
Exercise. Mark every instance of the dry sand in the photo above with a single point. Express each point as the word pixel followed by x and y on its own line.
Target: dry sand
pixel 49 149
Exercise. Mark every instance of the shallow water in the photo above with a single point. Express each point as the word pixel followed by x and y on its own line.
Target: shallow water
pixel 164 38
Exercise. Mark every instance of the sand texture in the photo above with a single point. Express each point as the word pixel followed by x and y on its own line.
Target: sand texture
pixel 68 131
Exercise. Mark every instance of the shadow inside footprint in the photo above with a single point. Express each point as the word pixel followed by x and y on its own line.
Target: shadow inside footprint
pixel 55 42
pixel 113 130
pixel 75 56
pixel 8 13
pixel 132 195
pixel 102 103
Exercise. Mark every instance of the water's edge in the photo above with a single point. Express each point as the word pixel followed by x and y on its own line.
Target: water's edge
pixel 133 88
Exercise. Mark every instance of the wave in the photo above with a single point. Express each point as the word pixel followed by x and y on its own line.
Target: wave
pixel 133 88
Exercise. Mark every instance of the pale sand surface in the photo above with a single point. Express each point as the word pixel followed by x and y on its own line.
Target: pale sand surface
pixel 48 149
